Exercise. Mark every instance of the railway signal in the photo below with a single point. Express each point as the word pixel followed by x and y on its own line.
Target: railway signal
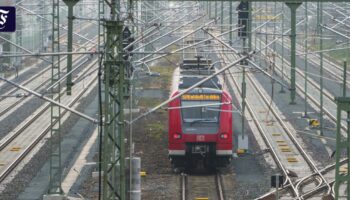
pixel 127 40
pixel 243 15
pixel 277 182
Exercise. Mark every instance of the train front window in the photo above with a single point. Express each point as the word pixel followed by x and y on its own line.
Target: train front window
pixel 200 117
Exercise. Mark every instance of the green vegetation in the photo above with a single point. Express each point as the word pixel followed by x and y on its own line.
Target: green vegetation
pixel 337 56
pixel 164 80
pixel 149 102
pixel 156 130
pixel 165 67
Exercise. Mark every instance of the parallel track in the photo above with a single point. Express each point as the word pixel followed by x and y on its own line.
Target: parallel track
pixel 326 94
pixel 44 83
pixel 63 58
pixel 296 187
pixel 201 187
pixel 44 132
pixel 4 110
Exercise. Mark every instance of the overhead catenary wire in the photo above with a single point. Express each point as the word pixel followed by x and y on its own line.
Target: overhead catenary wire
pixel 243 57
pixel 41 96
pixel 198 106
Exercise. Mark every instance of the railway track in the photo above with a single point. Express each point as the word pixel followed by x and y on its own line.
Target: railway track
pixel 331 68
pixel 329 106
pixel 20 101
pixel 35 84
pixel 19 144
pixel 63 58
pixel 202 187
pixel 284 147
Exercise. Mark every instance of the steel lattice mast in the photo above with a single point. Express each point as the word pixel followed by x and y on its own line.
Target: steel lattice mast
pixel 115 80
pixel 55 133
pixel 115 84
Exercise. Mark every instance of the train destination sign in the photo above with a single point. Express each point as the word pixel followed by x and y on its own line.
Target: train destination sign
pixel 198 97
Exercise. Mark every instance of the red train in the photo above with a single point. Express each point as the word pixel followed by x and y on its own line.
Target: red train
pixel 200 121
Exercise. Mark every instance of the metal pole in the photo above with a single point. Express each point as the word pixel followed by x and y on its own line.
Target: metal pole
pixel 342 144
pixel 320 31
pixel 344 78
pixel 19 34
pixel 116 76
pixel 70 4
pixel 282 53
pixel 209 3
pixel 131 151
pixel 216 10
pixel 249 28
pixel 55 130
pixel 293 7
pixel 243 89
pixel 222 16
pixel 231 21
pixel 56 103
pixel 277 186
pixel 266 30
pixel 306 61
pixel 100 44
pixel 181 38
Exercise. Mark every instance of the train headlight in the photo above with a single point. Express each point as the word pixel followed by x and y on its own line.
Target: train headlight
pixel 224 136
pixel 177 136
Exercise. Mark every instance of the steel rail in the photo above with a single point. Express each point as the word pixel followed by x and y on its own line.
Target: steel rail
pixel 219 187
pixel 22 48
pixel 332 73
pixel 323 171
pixel 291 136
pixel 312 99
pixel 294 140
pixel 8 140
pixel 148 33
pixel 39 74
pixel 307 158
pixel 60 25
pixel 173 42
pixel 313 83
pixel 51 101
pixel 28 149
pixel 183 186
pixel 267 141
pixel 167 33
pixel 256 66
pixel 2 112
pixel 244 57
pixel 189 46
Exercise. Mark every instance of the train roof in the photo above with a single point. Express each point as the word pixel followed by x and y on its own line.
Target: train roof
pixel 188 81
pixel 205 91
pixel 194 70
pixel 196 67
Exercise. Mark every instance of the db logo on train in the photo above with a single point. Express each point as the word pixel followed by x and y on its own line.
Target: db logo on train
pixel 200 138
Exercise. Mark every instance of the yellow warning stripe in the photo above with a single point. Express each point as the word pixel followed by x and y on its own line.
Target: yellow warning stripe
pixel 292 159
pixel 15 149
pixel 343 169
pixel 143 174
pixel 285 149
